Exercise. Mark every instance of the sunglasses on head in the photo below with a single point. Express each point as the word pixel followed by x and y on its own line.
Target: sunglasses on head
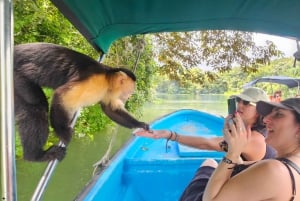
pixel 244 102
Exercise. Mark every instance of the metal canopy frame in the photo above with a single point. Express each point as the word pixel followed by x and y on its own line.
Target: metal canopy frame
pixel 8 166
pixel 290 82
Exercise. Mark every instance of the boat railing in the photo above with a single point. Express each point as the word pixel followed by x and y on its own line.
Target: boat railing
pixel 41 187
pixel 8 164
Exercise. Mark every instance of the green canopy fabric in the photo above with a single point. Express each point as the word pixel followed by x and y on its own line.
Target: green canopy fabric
pixel 104 21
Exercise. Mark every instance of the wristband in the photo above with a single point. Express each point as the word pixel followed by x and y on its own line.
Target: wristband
pixel 169 138
pixel 230 162
pixel 224 146
pixel 176 136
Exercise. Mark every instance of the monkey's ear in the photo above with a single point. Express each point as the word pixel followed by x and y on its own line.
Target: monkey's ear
pixel 121 78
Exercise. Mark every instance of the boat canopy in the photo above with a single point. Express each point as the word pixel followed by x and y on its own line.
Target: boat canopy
pixel 288 81
pixel 104 21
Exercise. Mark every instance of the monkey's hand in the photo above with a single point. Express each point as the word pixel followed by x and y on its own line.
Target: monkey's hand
pixel 142 125
pixel 145 126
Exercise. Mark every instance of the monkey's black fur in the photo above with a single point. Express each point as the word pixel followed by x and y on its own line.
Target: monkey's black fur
pixel 38 65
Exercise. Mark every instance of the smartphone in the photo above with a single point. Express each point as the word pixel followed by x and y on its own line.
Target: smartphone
pixel 231 105
pixel 231 102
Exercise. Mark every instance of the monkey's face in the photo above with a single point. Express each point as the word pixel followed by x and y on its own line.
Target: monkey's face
pixel 128 88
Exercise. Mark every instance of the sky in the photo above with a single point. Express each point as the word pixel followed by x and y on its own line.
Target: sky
pixel 286 45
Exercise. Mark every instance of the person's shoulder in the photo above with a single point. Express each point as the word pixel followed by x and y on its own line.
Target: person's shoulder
pixel 267 172
pixel 270 163
pixel 257 137
pixel 267 178
pixel 256 132
pixel 271 167
pixel 259 128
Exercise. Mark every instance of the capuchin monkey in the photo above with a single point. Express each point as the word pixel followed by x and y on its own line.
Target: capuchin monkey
pixel 78 81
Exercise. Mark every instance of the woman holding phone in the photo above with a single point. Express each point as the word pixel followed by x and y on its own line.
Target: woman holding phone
pixel 256 149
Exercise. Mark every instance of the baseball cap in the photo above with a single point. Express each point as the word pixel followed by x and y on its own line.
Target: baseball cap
pixel 253 94
pixel 265 107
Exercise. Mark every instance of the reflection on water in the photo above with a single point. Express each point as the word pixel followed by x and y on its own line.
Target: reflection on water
pixel 166 103
pixel 76 169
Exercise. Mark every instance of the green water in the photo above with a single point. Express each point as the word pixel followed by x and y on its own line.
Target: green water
pixel 76 169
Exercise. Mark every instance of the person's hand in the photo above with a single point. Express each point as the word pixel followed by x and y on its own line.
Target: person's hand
pixel 155 134
pixel 236 135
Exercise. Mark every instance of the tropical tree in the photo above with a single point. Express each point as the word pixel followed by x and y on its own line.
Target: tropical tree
pixel 216 50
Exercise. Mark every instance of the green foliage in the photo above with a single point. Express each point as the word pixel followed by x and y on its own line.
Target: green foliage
pixel 236 78
pixel 40 21
pixel 91 121
pixel 220 50
pixel 18 149
pixel 232 82
pixel 135 53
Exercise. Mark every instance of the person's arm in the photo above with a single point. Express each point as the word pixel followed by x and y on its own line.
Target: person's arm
pixel 265 180
pixel 201 142
pixel 192 141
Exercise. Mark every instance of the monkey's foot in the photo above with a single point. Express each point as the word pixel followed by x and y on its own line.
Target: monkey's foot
pixel 65 139
pixel 55 152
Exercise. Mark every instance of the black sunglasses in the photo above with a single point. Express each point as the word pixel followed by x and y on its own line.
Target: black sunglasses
pixel 244 102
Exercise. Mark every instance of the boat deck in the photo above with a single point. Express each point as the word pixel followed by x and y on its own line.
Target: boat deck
pixel 145 170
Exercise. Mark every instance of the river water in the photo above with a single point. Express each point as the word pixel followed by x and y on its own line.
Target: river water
pixel 76 169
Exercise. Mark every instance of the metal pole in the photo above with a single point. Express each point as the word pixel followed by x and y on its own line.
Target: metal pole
pixel 40 189
pixel 8 164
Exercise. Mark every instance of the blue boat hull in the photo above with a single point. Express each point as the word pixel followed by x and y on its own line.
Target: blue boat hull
pixel 146 169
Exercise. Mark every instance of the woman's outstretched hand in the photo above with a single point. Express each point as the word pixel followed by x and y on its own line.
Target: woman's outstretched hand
pixel 155 134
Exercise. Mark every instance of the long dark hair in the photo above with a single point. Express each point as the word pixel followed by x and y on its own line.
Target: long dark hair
pixel 259 125
pixel 297 116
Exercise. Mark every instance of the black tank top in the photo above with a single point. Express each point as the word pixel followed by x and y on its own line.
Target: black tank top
pixel 288 163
